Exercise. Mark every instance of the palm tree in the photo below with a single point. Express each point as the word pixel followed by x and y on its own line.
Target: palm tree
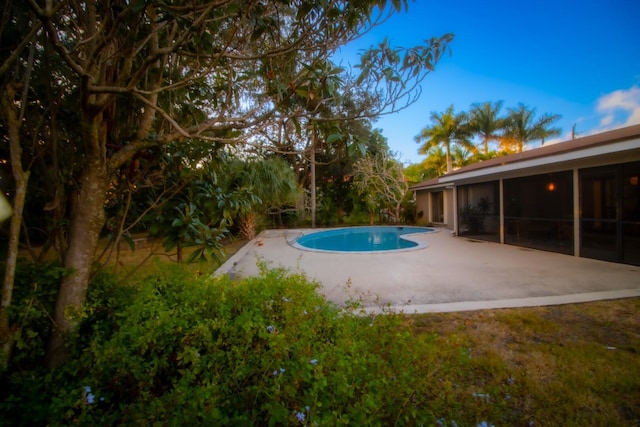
pixel 461 156
pixel 269 184
pixel 436 162
pixel 448 129
pixel 485 121
pixel 521 128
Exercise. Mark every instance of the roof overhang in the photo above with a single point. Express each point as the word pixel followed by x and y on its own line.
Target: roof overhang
pixel 616 146
pixel 624 151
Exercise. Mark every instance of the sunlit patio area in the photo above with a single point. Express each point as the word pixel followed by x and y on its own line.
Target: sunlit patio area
pixel 449 274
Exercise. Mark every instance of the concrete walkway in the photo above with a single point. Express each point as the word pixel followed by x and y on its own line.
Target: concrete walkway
pixel 450 274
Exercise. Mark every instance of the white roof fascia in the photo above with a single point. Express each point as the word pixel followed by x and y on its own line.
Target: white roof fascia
pixel 618 147
pixel 433 186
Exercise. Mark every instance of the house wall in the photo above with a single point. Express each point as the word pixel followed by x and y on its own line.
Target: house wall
pixel 449 210
pixel 592 210
pixel 425 202
pixel 542 211
pixel 422 207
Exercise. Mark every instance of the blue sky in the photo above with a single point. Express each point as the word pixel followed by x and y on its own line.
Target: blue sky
pixel 579 59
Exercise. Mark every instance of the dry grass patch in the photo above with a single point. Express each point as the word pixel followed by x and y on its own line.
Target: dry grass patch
pixel 576 364
pixel 139 262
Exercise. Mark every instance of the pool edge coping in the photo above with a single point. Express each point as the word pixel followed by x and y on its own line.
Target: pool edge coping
pixel 294 244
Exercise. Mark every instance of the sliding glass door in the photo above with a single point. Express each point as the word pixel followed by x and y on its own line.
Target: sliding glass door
pixel 610 213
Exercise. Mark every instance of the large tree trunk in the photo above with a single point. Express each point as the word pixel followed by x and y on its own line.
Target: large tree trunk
pixel 87 221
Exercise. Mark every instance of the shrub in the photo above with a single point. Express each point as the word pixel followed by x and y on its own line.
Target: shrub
pixel 34 296
pixel 182 349
pixel 268 350
pixel 27 388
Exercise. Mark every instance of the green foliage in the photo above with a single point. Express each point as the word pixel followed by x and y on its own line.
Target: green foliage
pixel 473 216
pixel 197 211
pixel 34 297
pixel 449 129
pixel 25 397
pixel 182 349
pixel 521 127
pixel 452 132
pixel 210 195
pixel 262 351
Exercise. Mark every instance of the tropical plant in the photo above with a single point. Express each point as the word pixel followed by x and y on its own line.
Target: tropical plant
pixel 435 163
pixel 485 122
pixel 199 212
pixel 336 162
pixel 270 182
pixel 473 216
pixel 521 127
pixel 448 129
pixel 418 172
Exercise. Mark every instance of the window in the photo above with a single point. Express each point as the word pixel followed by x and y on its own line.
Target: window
pixel 538 212
pixel 479 211
pixel 437 206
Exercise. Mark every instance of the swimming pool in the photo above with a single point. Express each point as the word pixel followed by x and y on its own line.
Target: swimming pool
pixel 361 239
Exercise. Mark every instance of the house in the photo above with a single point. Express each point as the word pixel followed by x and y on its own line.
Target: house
pixel 580 197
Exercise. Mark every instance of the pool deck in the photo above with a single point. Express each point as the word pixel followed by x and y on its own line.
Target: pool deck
pixel 450 274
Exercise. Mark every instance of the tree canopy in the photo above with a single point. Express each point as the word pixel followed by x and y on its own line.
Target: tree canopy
pixel 465 137
pixel 522 127
pixel 94 92
pixel 448 129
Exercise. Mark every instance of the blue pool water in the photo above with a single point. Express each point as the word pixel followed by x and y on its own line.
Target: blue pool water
pixel 361 239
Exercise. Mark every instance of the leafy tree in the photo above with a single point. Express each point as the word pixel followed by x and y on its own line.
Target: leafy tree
pixel 336 162
pixel 417 172
pixel 436 162
pixel 143 74
pixel 521 127
pixel 329 106
pixel 448 129
pixel 485 122
pixel 381 181
pixel 191 207
pixel 270 182
pixel 30 130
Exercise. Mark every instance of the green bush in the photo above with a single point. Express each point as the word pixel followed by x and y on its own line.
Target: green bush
pixel 269 350
pixel 34 297
pixel 27 387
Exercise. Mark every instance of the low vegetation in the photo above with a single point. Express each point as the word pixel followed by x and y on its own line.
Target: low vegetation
pixel 571 365
pixel 180 348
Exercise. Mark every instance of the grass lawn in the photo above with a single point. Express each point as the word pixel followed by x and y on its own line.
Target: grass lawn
pixel 576 364
pixel 140 261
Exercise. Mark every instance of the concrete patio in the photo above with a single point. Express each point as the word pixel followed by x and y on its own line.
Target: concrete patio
pixel 450 274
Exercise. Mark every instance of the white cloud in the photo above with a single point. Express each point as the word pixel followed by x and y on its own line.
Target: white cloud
pixel 619 108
